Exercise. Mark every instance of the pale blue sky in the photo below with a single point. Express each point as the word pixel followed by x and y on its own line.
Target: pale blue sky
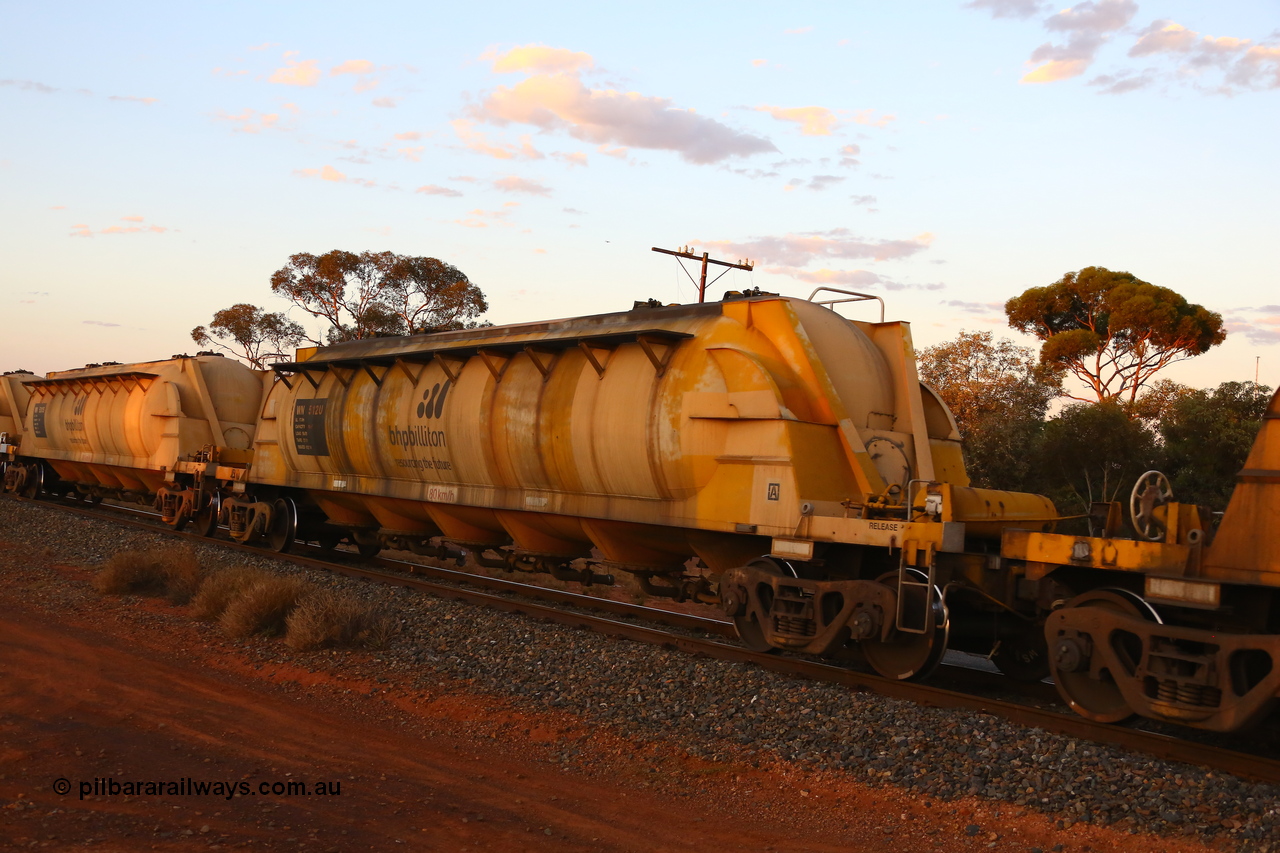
pixel 159 161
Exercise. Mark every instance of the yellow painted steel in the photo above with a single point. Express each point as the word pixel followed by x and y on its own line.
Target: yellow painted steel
pixel 123 426
pixel 648 435
pixel 13 402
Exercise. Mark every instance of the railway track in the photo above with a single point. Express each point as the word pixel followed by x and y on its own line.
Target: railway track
pixel 705 636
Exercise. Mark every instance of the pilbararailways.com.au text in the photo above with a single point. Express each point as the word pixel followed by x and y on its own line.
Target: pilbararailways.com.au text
pixel 109 786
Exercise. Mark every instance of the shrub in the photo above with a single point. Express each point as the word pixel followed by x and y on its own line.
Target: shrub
pixel 326 618
pixel 172 573
pixel 263 606
pixel 220 587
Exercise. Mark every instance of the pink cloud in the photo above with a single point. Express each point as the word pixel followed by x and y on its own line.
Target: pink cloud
pixel 798 250
pixel 432 189
pixel 560 101
pixel 540 59
pixel 477 141
pixel 514 184
pixel 813 121
pixel 296 73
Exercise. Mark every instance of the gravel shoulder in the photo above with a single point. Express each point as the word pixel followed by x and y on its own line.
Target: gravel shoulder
pixel 478 729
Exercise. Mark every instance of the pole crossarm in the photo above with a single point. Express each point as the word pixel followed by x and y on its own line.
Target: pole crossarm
pixel 706 259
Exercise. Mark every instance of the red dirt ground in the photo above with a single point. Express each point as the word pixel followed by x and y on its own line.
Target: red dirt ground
pixel 137 691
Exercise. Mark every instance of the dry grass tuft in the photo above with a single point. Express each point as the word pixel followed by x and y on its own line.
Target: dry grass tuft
pixel 326 618
pixel 172 573
pixel 220 588
pixel 263 606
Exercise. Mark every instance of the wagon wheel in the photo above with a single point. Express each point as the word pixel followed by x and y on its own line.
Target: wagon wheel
pixel 206 520
pixel 1099 699
pixel 328 537
pixel 366 542
pixel 1150 492
pixel 904 656
pixel 750 631
pixel 33 482
pixel 284 525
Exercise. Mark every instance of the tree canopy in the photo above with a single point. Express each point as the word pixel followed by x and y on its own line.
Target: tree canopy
pixel 1111 330
pixel 1093 452
pixel 998 395
pixel 248 332
pixel 378 293
pixel 1207 435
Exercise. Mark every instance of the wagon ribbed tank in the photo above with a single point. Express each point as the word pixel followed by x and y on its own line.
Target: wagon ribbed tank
pixel 119 428
pixel 650 435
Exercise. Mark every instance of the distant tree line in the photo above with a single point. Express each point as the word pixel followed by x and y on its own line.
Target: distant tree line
pixel 1113 333
pixel 356 296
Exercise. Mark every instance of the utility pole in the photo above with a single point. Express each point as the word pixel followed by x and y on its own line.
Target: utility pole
pixel 684 252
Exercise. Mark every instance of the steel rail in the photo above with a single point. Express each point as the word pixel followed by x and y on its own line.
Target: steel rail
pixel 1152 743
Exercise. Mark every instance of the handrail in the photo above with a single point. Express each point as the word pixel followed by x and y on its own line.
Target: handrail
pixel 857 297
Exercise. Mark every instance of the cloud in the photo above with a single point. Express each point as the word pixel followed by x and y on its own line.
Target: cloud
pixel 1087 26
pixel 619 153
pixel 984 308
pixel 759 63
pixel 294 73
pixel 798 31
pixel 798 250
pixel 1259 330
pixel 1009 8
pixel 477 141
pixel 136 226
pixel 817 182
pixel 250 121
pixel 539 59
pixel 477 218
pixel 868 117
pixel 43 89
pixel 848 156
pixel 385 103
pixel 413 152
pixel 577 158
pixel 265 45
pixel 863 199
pixel 30 86
pixel 513 184
pixel 560 101
pixel 1163 37
pixel 409 136
pixel 849 278
pixel 813 121
pixel 1118 84
pixel 100 323
pixel 353 66
pixel 572 211
pixel 432 189
pixel 1243 62
pixel 856 278
pixel 328 173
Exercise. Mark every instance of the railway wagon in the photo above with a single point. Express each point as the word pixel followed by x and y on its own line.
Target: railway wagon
pixel 121 430
pixel 761 452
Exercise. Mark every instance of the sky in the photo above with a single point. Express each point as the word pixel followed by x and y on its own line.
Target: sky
pixel 158 161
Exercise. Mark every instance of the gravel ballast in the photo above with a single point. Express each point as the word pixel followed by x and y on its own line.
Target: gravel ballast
pixel 713 709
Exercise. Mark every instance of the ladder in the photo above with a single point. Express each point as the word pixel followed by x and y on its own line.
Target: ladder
pixel 915 596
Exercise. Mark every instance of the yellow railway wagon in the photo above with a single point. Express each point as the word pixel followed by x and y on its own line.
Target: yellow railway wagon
pixel 678 443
